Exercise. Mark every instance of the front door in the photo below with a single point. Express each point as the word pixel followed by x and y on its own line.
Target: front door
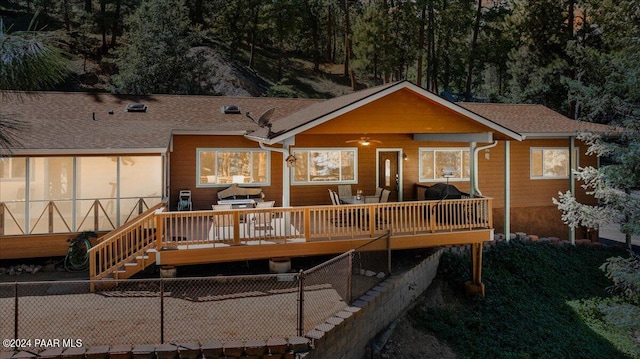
pixel 389 173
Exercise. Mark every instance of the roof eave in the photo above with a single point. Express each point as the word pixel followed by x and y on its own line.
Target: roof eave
pixel 82 151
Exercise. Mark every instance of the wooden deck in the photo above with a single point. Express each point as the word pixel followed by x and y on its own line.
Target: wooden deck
pixel 220 236
pixel 197 237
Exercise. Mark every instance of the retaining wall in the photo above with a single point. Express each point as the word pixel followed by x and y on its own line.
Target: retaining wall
pixel 347 334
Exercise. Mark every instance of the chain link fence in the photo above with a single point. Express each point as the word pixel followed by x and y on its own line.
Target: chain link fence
pixel 179 310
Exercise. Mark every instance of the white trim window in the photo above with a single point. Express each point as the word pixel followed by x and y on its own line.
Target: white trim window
pixel 440 163
pixel 550 162
pixel 218 167
pixel 13 168
pixel 325 165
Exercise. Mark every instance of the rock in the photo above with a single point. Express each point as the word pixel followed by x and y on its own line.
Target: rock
pixel 49 267
pixel 12 271
pixel 533 238
pixel 36 269
pixel 369 273
pixel 381 275
pixel 362 271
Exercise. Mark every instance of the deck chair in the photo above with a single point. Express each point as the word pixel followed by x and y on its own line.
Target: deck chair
pixel 384 197
pixel 340 219
pixel 260 222
pixel 221 224
pixel 378 192
pixel 184 200
pixel 344 190
pixel 334 197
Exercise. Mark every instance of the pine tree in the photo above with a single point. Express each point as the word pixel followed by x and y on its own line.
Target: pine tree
pixel 158 57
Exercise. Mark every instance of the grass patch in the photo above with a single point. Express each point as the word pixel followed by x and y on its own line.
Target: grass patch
pixel 542 301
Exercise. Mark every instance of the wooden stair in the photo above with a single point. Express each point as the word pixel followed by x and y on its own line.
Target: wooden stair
pixel 126 250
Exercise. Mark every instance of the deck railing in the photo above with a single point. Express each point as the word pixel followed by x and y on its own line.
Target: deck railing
pixel 124 245
pixel 198 229
pixel 157 229
pixel 47 217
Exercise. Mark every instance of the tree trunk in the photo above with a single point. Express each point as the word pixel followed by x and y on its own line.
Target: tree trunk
pixel 67 19
pixel 254 31
pixel 431 49
pixel 116 23
pixel 329 34
pixel 103 24
pixel 347 41
pixel 572 110
pixel 315 36
pixel 421 43
pixel 88 6
pixel 472 52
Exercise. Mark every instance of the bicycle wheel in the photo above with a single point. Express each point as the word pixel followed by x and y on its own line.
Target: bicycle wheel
pixel 77 258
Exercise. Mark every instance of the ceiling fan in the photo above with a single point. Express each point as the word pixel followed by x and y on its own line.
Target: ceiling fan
pixel 364 141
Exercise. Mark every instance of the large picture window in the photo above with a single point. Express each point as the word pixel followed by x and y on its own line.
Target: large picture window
pixel 550 163
pixel 217 166
pixel 315 166
pixel 437 164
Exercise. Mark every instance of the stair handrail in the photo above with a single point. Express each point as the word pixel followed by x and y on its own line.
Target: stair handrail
pixel 113 236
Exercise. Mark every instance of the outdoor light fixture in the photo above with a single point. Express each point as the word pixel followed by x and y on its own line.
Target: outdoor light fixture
pixel 404 156
pixel 448 172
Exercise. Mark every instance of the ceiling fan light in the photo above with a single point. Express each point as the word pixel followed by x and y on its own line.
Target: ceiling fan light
pixel 365 142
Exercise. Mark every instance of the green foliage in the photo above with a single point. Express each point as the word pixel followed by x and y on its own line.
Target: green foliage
pixel 282 89
pixel 28 60
pixel 625 274
pixel 612 320
pixel 525 313
pixel 158 57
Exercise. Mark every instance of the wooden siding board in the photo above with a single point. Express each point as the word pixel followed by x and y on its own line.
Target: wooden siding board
pixel 183 168
pixel 400 112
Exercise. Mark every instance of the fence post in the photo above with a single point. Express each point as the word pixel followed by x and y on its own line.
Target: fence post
pixel 301 304
pixel 161 311
pixel 15 313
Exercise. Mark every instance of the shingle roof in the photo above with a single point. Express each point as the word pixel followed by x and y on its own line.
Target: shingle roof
pixel 98 122
pixel 532 120
pixel 83 121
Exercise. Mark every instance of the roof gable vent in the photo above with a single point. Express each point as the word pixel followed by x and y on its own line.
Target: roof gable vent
pixel 230 109
pixel 136 107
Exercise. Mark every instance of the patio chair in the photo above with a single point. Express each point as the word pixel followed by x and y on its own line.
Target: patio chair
pixel 384 197
pixel 184 200
pixel 335 200
pixel 378 192
pixel 221 224
pixel 260 221
pixel 344 190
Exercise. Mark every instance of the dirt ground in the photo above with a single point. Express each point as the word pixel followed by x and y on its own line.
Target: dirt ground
pixel 407 342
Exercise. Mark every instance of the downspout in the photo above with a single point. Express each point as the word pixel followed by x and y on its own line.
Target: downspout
pixel 474 183
pixel 507 190
pixel 286 178
pixel 572 182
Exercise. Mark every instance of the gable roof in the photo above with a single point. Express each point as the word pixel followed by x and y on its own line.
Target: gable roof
pixel 322 112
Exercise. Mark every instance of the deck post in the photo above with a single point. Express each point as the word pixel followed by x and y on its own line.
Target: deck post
pixel 301 303
pixel 475 285
pixel 2 219
pixel 159 231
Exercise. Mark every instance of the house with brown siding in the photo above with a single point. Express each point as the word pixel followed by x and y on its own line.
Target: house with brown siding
pixel 95 161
